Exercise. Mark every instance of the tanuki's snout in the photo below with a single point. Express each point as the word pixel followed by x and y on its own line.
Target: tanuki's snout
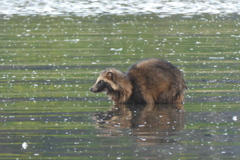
pixel 92 90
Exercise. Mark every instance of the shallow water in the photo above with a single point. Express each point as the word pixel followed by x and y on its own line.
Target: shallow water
pixel 48 63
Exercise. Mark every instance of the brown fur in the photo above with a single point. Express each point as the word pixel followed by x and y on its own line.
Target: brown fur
pixel 148 81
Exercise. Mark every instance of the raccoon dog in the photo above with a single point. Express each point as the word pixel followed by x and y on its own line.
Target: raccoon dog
pixel 148 81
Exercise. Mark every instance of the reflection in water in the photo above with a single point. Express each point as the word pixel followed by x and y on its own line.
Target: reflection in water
pixel 151 123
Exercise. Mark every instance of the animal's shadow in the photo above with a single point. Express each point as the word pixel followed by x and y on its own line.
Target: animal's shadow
pixel 154 123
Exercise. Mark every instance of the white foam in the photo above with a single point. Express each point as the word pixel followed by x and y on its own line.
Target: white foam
pixel 119 7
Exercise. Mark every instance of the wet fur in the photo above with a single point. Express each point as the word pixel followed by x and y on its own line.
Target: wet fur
pixel 148 81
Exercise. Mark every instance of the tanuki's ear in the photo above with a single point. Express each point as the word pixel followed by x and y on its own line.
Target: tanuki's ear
pixel 110 75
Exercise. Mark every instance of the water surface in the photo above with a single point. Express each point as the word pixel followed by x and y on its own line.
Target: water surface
pixel 48 63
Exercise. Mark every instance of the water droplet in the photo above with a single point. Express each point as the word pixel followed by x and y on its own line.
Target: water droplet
pixel 234 118
pixel 24 145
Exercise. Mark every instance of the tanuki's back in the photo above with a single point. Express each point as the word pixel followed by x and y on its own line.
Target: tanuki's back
pixel 157 81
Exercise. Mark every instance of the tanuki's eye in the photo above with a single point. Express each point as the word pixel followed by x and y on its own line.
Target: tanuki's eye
pixel 101 81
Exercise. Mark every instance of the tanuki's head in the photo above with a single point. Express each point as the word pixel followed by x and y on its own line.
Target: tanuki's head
pixel 115 84
pixel 107 81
